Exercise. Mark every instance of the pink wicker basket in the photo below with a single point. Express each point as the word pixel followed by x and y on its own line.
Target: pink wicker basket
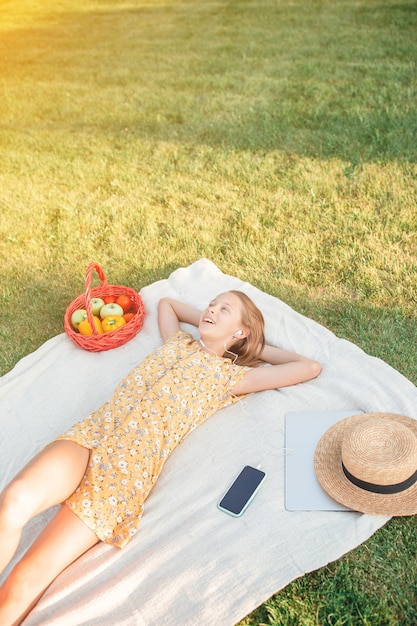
pixel 106 341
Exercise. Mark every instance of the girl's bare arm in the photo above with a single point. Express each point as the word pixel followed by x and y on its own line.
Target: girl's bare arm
pixel 171 312
pixel 287 368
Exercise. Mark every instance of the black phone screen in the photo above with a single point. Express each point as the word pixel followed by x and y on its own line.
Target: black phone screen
pixel 242 490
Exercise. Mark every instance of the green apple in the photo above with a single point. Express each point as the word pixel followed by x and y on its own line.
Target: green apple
pixel 77 317
pixel 111 309
pixel 96 305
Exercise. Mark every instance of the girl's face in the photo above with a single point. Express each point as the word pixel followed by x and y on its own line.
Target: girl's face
pixel 222 318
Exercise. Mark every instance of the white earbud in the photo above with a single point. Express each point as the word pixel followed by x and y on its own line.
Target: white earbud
pixel 238 333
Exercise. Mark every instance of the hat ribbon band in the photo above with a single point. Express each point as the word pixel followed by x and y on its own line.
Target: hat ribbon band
pixel 384 489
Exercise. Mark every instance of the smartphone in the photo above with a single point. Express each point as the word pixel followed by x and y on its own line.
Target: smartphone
pixel 242 491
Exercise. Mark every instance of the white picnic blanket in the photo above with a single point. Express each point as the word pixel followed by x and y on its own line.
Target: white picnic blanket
pixel 190 563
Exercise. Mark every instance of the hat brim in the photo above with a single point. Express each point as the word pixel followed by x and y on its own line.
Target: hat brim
pixel 329 472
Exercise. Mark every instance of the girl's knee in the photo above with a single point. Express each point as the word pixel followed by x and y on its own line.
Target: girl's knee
pixel 15 506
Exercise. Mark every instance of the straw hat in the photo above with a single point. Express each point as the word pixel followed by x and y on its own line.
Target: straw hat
pixel 368 462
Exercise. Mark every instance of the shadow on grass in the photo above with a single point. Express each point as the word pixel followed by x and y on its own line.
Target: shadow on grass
pixel 319 79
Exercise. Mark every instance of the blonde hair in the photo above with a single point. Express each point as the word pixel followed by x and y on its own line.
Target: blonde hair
pixel 248 348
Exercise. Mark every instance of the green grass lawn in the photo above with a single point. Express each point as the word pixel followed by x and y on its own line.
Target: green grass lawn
pixel 276 138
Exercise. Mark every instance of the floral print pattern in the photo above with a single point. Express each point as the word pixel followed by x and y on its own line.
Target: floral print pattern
pixel 151 411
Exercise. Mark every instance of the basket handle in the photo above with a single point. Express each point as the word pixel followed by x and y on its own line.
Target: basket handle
pixel 88 279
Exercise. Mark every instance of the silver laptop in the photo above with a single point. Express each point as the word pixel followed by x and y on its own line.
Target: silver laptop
pixel 303 430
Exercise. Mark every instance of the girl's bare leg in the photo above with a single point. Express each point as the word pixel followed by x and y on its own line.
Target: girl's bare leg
pixel 62 541
pixel 47 480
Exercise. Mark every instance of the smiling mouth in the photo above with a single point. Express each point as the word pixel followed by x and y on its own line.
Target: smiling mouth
pixel 207 320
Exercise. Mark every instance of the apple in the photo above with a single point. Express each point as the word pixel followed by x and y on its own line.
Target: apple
pixel 96 304
pixel 109 299
pixel 77 317
pixel 111 309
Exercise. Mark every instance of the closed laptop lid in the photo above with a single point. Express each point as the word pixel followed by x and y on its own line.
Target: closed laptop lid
pixel 303 430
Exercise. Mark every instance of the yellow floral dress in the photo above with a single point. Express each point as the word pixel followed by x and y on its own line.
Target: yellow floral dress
pixel 151 411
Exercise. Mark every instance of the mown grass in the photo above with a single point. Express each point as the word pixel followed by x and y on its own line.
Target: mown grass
pixel 275 138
